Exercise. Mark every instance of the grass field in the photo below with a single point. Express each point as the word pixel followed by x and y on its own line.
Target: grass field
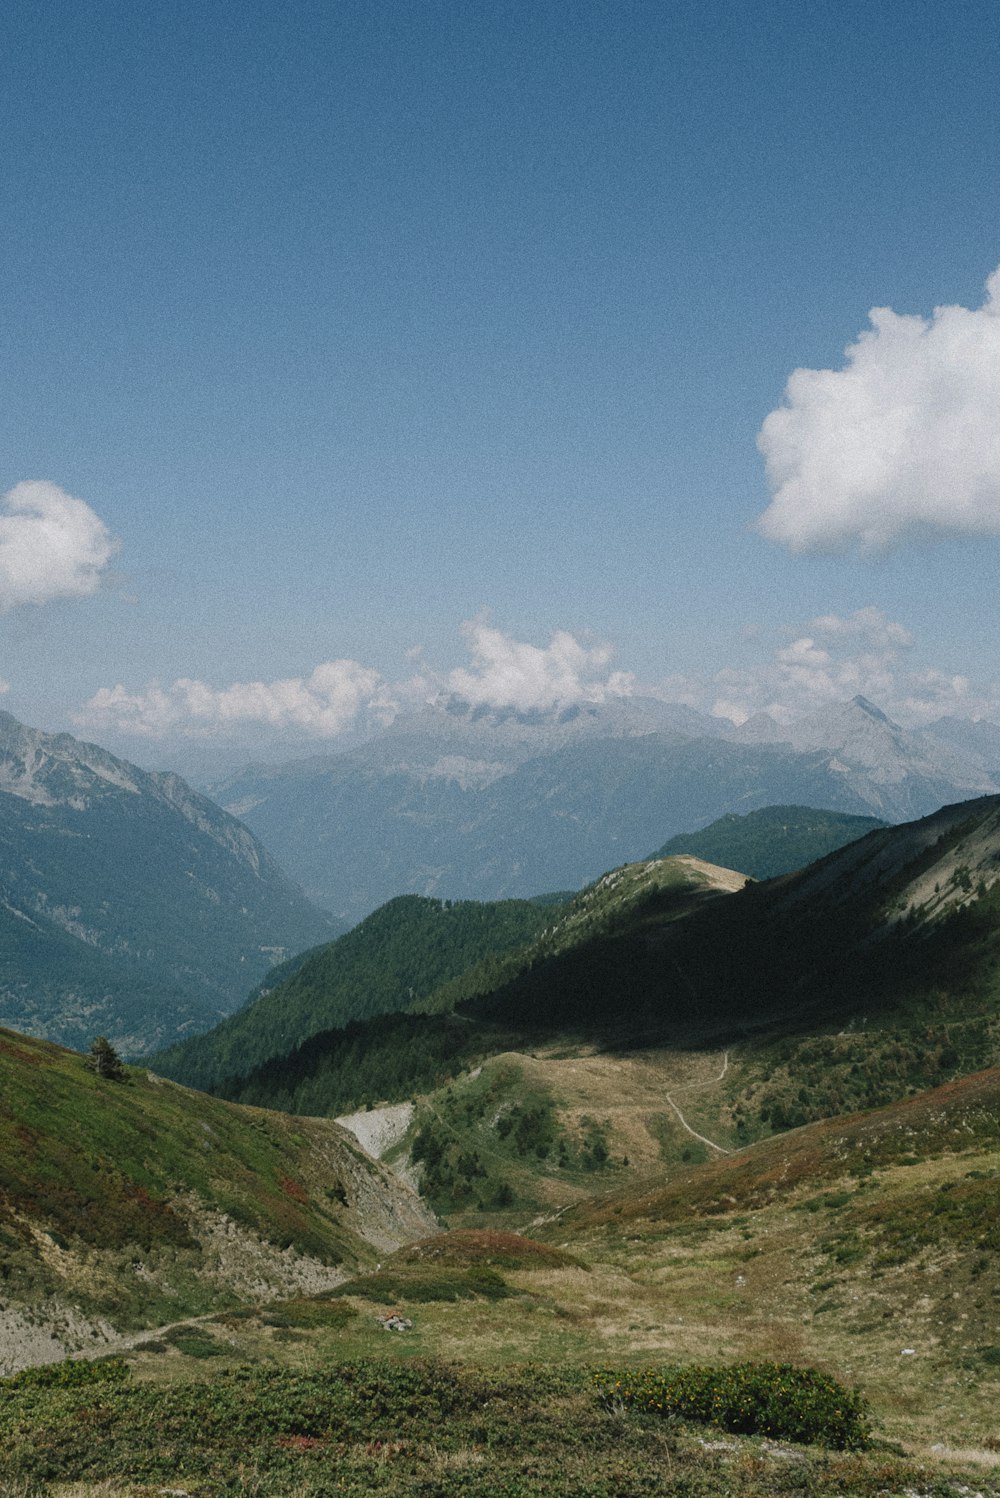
pixel 492 1388
pixel 866 1248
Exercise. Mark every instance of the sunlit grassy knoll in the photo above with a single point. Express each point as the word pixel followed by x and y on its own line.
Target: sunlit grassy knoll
pixel 528 1134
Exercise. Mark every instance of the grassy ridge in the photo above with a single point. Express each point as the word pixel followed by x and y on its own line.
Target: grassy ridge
pixel 559 981
pixel 116 1173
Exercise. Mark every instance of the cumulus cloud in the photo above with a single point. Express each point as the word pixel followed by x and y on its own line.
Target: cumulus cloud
pixel 837 657
pixel 905 437
pixel 51 546
pixel 505 672
pixel 323 704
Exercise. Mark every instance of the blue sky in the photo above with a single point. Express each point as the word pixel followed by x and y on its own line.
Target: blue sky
pixel 352 323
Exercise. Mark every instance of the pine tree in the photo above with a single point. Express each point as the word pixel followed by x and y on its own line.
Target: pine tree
pixel 105 1060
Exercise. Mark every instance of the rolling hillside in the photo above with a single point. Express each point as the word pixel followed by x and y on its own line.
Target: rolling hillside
pixel 865 1250
pixel 872 972
pixel 128 1203
pixel 477 1013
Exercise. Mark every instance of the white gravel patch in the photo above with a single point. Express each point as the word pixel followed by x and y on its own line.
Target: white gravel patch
pixel 28 1339
pixel 378 1129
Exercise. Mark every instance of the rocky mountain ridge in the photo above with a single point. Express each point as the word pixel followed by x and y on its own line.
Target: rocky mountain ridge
pixel 468 803
pixel 129 903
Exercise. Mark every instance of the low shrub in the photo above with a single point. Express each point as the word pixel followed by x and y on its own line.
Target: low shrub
pixel 194 1342
pixel 302 1312
pixel 444 1284
pixel 71 1373
pixel 767 1399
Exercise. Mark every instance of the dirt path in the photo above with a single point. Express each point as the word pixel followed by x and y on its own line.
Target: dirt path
pixel 683 1121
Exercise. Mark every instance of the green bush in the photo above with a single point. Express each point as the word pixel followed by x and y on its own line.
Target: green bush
pixel 767 1399
pixel 69 1374
pixel 193 1342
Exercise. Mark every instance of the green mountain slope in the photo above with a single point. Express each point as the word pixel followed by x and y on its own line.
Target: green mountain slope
pixel 495 1004
pixel 865 1249
pixel 128 903
pixel 217 1204
pixel 393 960
pixel 893 940
pixel 774 840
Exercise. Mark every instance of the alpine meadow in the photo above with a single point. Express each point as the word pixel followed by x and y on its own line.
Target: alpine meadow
pixel 500 750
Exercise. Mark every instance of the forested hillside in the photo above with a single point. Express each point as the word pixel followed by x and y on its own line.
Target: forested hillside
pixel 394 960
pixel 576 977
pixel 892 940
pixel 774 840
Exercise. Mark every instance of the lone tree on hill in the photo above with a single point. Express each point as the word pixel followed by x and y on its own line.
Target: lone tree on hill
pixel 105 1060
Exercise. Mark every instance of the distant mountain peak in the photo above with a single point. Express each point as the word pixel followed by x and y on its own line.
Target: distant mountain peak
pixel 871 710
pixel 128 902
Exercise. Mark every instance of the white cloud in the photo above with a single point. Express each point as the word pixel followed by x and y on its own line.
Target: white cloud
pixel 323 704
pixel 838 658
pixel 905 437
pixel 51 546
pixel 829 659
pixel 505 672
pixel 342 694
pixel 926 695
pixel 868 624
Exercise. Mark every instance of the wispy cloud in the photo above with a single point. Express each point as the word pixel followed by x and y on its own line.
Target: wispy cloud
pixel 51 546
pixel 836 657
pixel 324 704
pixel 904 438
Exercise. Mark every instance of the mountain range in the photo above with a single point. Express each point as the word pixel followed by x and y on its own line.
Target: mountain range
pixel 133 905
pixel 464 802
pixel 129 903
